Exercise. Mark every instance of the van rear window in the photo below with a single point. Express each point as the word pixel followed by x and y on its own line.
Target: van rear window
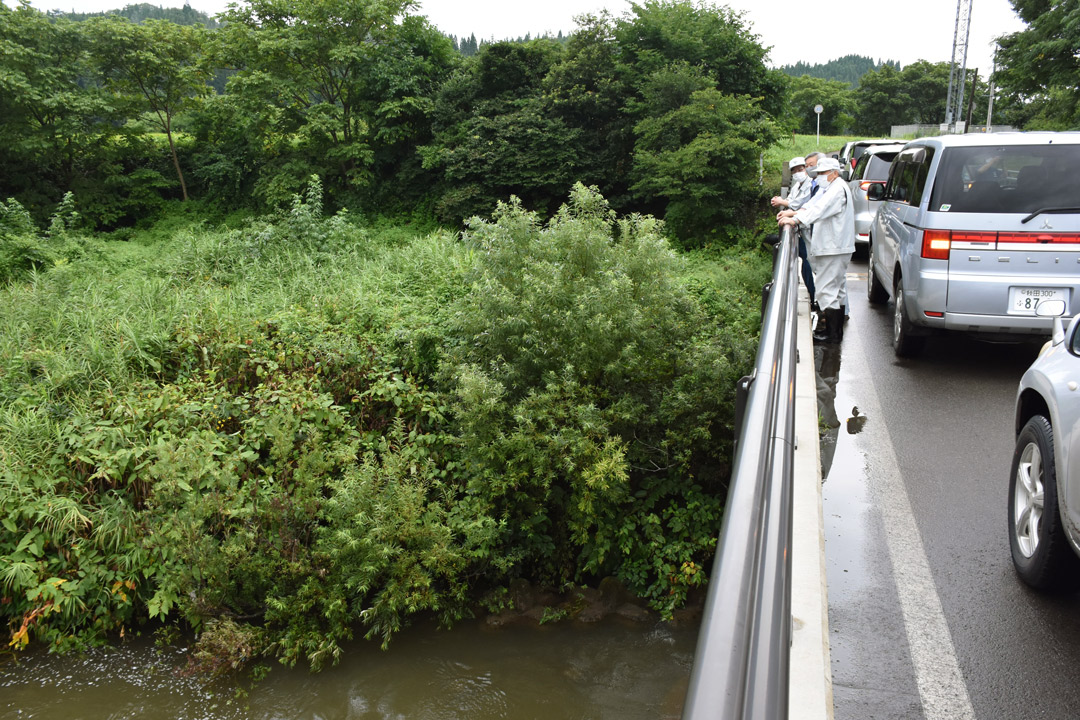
pixel 1006 179
pixel 878 168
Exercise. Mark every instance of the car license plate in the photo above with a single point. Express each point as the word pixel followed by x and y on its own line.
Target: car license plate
pixel 1024 300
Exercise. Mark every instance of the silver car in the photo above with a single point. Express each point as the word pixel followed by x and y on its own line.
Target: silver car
pixel 852 151
pixel 1044 485
pixel 872 168
pixel 973 232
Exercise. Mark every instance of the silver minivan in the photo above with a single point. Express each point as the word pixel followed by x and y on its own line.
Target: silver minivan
pixel 871 168
pixel 973 232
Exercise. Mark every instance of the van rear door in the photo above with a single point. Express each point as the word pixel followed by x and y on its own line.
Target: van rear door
pixel 1003 260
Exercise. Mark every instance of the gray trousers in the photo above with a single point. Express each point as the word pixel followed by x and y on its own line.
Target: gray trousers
pixel 830 279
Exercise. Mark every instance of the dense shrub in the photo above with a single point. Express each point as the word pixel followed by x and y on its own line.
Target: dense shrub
pixel 312 426
pixel 579 395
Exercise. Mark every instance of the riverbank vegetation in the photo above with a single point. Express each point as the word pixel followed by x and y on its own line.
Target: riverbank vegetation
pixel 308 424
pixel 310 325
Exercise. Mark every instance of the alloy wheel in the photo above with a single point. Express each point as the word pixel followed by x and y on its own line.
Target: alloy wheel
pixel 1028 500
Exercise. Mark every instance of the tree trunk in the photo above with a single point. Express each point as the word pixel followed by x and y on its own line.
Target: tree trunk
pixel 176 163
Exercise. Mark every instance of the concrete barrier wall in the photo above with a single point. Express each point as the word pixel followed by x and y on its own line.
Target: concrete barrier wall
pixel 902 131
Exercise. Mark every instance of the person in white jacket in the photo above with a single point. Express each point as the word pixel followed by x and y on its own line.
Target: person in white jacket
pixel 799 195
pixel 800 186
pixel 833 217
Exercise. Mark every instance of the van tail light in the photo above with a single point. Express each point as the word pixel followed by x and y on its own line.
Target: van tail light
pixel 935 244
pixel 1040 238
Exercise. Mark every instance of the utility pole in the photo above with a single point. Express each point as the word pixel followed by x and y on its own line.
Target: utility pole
pixel 971 101
pixel 990 103
pixel 958 75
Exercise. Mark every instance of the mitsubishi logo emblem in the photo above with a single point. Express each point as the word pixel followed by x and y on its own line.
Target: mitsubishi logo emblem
pixel 1046 224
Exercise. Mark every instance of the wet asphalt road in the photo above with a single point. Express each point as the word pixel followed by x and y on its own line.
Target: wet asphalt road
pixel 927 619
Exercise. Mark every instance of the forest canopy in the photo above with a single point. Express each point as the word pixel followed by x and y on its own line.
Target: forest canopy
pixel 383 107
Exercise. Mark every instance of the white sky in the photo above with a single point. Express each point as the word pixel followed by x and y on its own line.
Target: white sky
pixel 814 31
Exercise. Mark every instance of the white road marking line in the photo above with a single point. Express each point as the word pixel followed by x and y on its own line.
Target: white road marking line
pixel 941 684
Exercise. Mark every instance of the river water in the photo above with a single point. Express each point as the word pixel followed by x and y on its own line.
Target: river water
pixel 613 669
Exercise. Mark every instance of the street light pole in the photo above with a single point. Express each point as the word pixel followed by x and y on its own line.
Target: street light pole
pixel 818 109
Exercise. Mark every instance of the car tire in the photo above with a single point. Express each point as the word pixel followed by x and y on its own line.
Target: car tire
pixel 1041 552
pixel 875 291
pixel 905 344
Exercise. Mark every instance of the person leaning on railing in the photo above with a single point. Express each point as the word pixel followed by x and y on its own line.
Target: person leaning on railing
pixel 802 189
pixel 831 245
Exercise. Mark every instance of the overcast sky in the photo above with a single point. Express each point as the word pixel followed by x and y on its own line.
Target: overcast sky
pixel 814 32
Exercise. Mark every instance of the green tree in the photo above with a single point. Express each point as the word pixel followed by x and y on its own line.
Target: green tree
pixel 494 136
pixel 1038 67
pixel 659 32
pixel 405 78
pixel 587 91
pixel 702 158
pixel 156 67
pixel 49 126
pixel 927 85
pixel 883 101
pixel 336 81
pixel 836 98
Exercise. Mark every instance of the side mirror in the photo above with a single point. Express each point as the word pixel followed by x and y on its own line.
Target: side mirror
pixel 1053 309
pixel 845 174
pixel 1050 308
pixel 875 192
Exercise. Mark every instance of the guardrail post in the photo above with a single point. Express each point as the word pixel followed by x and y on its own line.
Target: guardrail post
pixel 742 392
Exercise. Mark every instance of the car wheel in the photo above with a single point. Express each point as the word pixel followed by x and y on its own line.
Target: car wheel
pixel 1040 551
pixel 875 291
pixel 904 343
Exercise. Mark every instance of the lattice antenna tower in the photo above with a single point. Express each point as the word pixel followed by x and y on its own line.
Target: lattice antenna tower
pixel 958 75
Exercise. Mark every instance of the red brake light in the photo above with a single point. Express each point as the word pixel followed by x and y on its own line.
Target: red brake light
pixel 935 244
pixel 1042 238
pixel 986 238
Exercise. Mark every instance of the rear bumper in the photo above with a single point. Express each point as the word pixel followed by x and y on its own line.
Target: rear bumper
pixel 988 326
pixel 938 289
pixel 998 324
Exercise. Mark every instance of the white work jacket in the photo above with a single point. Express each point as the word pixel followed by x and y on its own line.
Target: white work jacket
pixel 799 193
pixel 832 213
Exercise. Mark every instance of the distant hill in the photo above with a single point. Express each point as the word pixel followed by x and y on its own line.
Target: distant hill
pixel 469 46
pixel 847 69
pixel 145 11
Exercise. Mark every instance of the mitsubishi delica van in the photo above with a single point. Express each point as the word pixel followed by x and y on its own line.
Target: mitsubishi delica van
pixel 973 232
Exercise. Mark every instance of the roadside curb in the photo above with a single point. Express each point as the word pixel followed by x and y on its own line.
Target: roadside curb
pixel 810 679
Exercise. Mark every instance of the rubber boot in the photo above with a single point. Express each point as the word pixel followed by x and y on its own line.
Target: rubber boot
pixel 834 326
pixel 821 331
pixel 843 311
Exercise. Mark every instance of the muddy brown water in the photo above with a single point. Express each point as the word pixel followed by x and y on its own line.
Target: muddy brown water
pixel 613 669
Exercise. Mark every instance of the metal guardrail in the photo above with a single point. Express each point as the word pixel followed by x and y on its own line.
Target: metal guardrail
pixel 741 668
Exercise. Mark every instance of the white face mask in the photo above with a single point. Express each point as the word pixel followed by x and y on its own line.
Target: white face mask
pixel 799 176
